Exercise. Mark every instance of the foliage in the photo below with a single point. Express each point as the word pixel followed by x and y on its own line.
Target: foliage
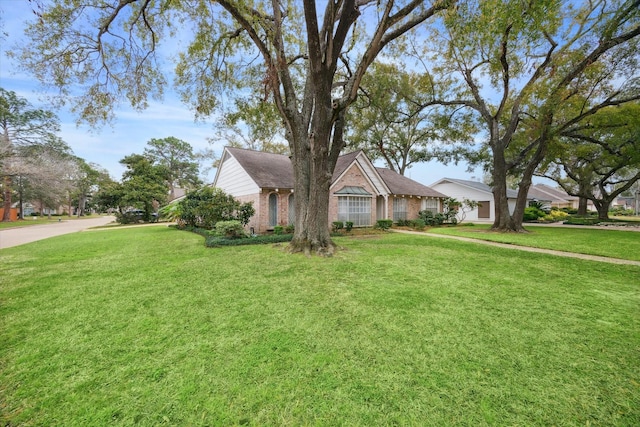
pixel 171 211
pixel 337 226
pixel 230 229
pixel 278 229
pixel 529 71
pixel 533 213
pixel 388 121
pixel 555 215
pixel 348 226
pixel 598 158
pixel 384 224
pixel 266 239
pixel 177 160
pixel 306 59
pixel 143 186
pixel 206 206
pixel 23 129
pixel 254 124
pixel 430 218
pixel 621 211
pixel 582 220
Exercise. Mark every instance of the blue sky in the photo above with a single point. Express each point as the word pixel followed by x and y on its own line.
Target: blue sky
pixel 132 130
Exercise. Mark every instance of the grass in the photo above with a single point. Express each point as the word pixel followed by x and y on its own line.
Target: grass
pixel 111 328
pixel 609 243
pixel 37 220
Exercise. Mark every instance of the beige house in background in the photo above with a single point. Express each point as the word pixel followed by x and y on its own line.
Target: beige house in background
pixel 360 192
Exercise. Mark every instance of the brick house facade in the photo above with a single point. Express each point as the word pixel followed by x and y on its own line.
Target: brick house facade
pixel 360 192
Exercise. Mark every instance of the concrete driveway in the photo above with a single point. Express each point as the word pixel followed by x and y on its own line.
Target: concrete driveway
pixel 30 233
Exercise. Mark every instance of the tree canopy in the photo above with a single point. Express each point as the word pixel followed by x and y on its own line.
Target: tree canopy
pixel 23 128
pixel 307 59
pixel 177 160
pixel 521 65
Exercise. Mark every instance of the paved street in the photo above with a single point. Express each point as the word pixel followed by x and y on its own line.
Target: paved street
pixel 27 234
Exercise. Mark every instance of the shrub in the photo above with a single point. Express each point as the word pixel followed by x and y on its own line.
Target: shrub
pixel 582 220
pixel 384 224
pixel 556 215
pixel 208 205
pixel 230 229
pixel 418 224
pixel 337 226
pixel 430 218
pixel 348 226
pixel 218 241
pixel 532 214
pixel 278 229
pixel 289 229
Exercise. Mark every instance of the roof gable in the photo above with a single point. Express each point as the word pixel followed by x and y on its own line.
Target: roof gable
pixel 268 170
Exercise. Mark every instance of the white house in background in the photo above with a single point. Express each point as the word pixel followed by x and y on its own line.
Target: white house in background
pixel 461 189
pixel 553 197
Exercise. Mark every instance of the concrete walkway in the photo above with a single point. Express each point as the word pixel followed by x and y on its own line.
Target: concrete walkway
pixel 30 233
pixel 524 248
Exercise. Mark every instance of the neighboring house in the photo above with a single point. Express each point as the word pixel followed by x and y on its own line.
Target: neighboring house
pixel 553 197
pixel 360 192
pixel 461 189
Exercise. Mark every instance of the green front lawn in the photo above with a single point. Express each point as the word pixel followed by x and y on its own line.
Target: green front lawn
pixel 606 242
pixel 146 326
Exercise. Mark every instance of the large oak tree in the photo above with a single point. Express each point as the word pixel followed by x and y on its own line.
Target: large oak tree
pixel 307 58
pixel 521 65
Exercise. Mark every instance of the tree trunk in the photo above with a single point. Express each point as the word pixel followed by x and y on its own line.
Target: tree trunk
pixel 312 171
pixel 602 206
pixel 6 216
pixel 503 220
pixel 582 206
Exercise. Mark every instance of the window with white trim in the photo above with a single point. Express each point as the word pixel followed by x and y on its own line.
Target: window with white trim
pixel 430 205
pixel 355 209
pixel 399 208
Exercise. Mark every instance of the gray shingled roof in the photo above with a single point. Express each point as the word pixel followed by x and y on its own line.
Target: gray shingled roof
pixel 343 163
pixel 268 170
pixel 399 184
pixel 554 193
pixel 511 194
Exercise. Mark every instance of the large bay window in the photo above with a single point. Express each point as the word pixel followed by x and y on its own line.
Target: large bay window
pixel 354 205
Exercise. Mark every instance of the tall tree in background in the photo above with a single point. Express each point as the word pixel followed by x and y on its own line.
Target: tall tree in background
pixel 388 121
pixel 143 184
pixel 598 158
pixel 178 161
pixel 305 58
pixel 518 65
pixel 254 124
pixel 85 179
pixel 22 127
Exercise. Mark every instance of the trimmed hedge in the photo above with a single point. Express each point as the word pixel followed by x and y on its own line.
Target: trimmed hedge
pixel 218 241
pixel 580 220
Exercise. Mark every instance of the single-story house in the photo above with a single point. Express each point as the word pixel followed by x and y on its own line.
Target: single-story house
pixel 461 189
pixel 360 192
pixel 553 197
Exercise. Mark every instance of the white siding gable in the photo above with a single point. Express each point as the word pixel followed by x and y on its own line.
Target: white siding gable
pixel 233 179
